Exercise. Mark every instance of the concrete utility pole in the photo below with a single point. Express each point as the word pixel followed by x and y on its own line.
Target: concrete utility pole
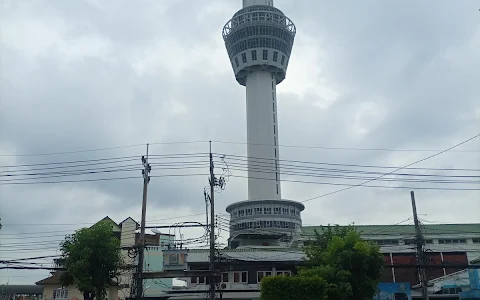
pixel 420 254
pixel 212 227
pixel 141 243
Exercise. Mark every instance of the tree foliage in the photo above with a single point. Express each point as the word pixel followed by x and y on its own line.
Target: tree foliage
pixel 92 259
pixel 351 267
pixel 293 288
pixel 347 267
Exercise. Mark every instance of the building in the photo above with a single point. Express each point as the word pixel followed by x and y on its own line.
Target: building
pixel 445 243
pixel 20 292
pixel 259 40
pixel 128 233
pixel 53 289
pixel 241 269
pixel 154 263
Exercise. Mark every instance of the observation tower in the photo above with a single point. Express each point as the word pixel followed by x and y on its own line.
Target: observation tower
pixel 259 40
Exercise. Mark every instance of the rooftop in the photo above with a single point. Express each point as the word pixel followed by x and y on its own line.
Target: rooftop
pixel 398 230
pixel 20 289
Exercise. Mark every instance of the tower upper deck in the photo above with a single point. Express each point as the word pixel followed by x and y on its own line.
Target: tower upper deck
pixel 259 37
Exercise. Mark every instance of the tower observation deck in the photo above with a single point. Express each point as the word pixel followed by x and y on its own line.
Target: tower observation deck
pixel 259 40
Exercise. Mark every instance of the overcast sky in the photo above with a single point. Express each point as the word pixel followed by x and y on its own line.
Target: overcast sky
pixel 83 75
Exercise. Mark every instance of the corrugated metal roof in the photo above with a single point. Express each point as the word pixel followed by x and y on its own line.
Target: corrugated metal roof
pixel 21 289
pixel 398 230
pixel 273 255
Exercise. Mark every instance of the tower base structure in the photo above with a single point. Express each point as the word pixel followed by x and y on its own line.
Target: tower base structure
pixel 265 223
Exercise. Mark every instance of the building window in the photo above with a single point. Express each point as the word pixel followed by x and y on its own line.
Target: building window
pixel 265 54
pixel 276 161
pixel 476 240
pixel 240 277
pixel 261 274
pixel 194 280
pixel 386 242
pixel 283 60
pixel 201 279
pixel 285 211
pixel 273 106
pixel 236 62
pixel 224 277
pixel 412 242
pixel 273 118
pixel 452 241
pixel 241 212
pixel 284 273
pixel 276 176
pixel 275 150
pixel 258 210
pixel 275 55
pixel 244 58
pixel 254 54
pixel 267 210
pixel 61 293
pixel 249 211
pixel 276 211
pixel 277 188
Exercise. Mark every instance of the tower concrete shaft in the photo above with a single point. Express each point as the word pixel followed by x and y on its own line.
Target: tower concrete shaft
pixel 259 40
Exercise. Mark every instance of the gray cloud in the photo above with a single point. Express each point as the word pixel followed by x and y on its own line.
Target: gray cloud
pixel 97 74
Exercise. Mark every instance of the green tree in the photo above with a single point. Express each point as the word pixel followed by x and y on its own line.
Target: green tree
pixel 92 259
pixel 293 288
pixel 351 267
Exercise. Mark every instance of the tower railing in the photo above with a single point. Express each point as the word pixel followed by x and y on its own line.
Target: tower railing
pixel 258 17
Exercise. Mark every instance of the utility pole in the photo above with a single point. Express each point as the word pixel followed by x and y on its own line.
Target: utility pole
pixel 420 254
pixel 212 227
pixel 141 243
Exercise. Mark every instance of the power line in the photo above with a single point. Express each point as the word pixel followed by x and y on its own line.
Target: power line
pixel 238 176
pixel 358 185
pixel 88 223
pixel 99 179
pixel 341 148
pixel 351 177
pixel 281 161
pixel 230 142
pixel 98 149
pixel 415 162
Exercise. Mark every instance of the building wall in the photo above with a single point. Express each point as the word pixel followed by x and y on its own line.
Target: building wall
pixel 410 274
pixel 127 239
pixel 154 263
pixel 73 292
pixel 232 273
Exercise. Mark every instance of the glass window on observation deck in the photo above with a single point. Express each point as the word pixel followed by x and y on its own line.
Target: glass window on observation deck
pixel 265 54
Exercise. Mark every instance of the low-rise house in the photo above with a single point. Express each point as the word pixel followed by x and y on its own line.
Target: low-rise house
pixel 53 289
